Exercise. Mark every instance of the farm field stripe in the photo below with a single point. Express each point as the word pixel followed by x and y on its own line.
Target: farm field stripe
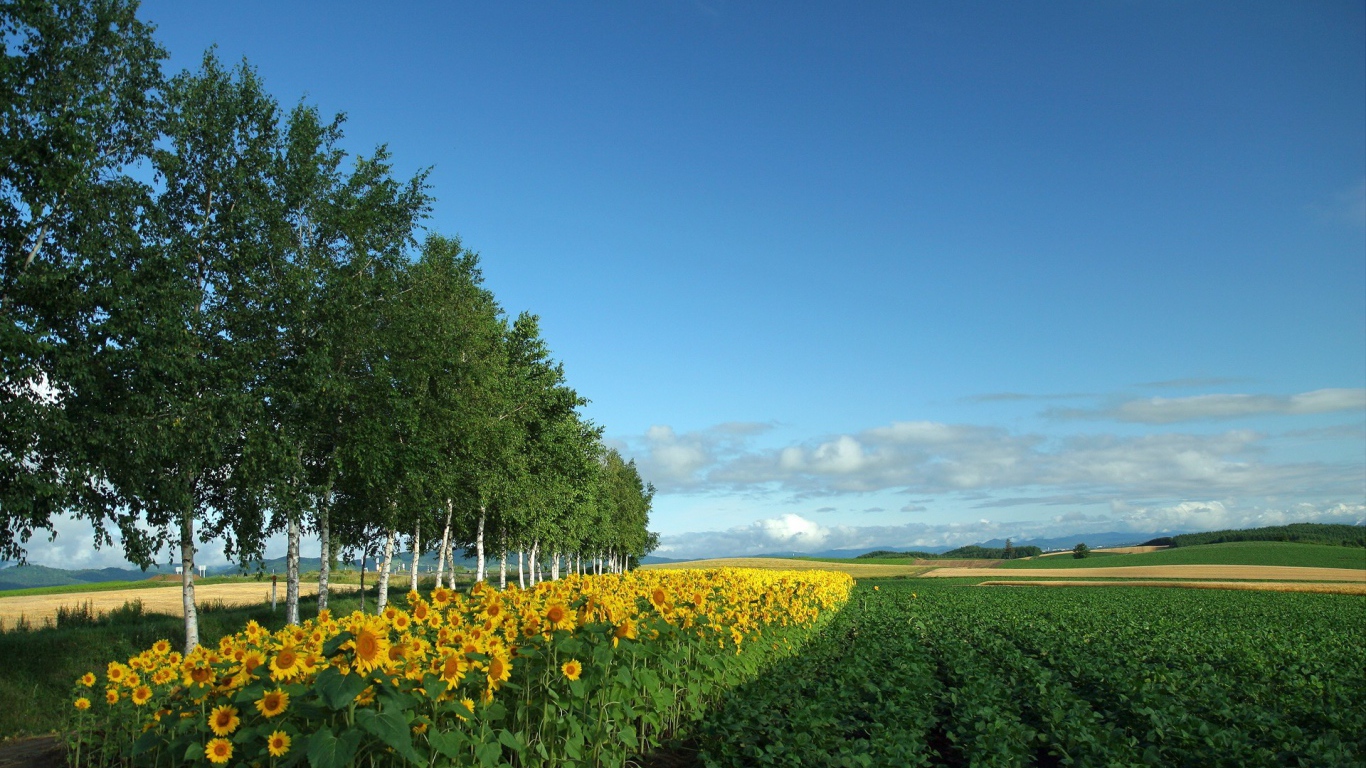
pixel 1263 572
pixel 165 600
pixel 1329 588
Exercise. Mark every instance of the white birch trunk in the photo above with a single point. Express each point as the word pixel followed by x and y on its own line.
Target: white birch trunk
pixel 554 566
pixel 382 582
pixel 417 549
pixel 503 570
pixel 325 542
pixel 187 580
pixel 445 542
pixel 521 572
pixel 479 548
pixel 535 550
pixel 292 573
pixel 363 556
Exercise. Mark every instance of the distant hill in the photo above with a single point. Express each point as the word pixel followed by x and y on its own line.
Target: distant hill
pixel 1337 535
pixel 1281 553
pixel 1092 540
pixel 28 576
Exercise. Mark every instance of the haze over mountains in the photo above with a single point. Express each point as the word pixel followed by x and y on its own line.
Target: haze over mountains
pixel 14 576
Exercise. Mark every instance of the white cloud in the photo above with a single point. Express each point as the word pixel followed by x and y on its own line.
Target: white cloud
pixel 1164 410
pixel 934 458
pixel 673 462
pixel 793 533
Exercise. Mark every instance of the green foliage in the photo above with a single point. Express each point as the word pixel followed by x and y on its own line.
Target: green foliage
pixel 79 82
pixel 1307 533
pixel 1234 553
pixel 971 552
pixel 923 672
pixel 1080 551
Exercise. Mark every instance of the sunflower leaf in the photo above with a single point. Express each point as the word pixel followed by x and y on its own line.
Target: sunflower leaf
pixel 335 644
pixel 391 726
pixel 337 690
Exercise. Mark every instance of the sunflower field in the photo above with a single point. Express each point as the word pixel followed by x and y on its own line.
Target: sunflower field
pixel 583 671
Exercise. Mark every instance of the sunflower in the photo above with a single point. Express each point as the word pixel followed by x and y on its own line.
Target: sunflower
pixel 115 672
pixel 285 665
pixel 440 597
pixel 82 703
pixel 572 669
pixel 141 695
pixel 371 650
pixel 88 679
pixel 224 720
pixel 626 630
pixel 278 743
pixel 559 617
pixel 218 750
pixel 273 703
pixel 500 669
pixel 198 675
pixel 658 598
pixel 251 660
pixel 161 647
pixel 401 621
pixel 111 696
pixel 467 704
pixel 453 668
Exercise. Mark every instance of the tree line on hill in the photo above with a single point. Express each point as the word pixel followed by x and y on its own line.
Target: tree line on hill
pixel 214 323
pixel 1334 534
pixel 970 552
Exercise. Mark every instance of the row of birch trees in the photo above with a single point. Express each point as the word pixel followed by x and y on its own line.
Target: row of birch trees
pixel 217 325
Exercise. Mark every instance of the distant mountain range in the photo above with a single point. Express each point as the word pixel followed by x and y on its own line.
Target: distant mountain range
pixel 14 576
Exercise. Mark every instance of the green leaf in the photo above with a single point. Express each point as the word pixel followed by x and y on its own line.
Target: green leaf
pixel 449 744
pixel 511 741
pixel 335 644
pixel 391 727
pixel 325 750
pixel 337 690
pixel 490 754
pixel 146 741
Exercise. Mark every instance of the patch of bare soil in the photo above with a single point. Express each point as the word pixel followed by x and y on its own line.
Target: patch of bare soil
pixel 1257 572
pixel 33 752
pixel 37 609
pixel 1336 588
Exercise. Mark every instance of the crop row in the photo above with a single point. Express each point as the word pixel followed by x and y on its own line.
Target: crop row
pixel 912 673
pixel 579 671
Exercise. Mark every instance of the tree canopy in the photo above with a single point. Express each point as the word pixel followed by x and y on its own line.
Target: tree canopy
pixel 261 337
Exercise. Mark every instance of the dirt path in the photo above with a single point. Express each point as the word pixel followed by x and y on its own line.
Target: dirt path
pixel 1337 588
pixel 1262 572
pixel 40 608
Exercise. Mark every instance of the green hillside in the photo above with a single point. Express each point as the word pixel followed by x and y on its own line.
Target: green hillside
pixel 31 576
pixel 1333 534
pixel 1233 553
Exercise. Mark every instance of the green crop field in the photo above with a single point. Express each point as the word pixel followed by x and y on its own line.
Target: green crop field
pixel 1233 553
pixel 943 673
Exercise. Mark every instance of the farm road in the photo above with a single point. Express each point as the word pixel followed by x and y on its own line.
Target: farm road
pixel 39 608
pixel 1260 572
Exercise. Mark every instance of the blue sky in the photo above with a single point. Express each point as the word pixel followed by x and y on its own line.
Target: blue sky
pixel 896 273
